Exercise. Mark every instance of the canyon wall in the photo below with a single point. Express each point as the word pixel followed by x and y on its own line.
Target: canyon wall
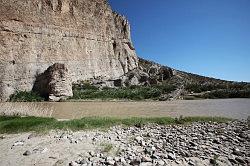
pixel 86 36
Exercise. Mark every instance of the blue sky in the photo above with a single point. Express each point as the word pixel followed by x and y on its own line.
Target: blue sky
pixel 206 37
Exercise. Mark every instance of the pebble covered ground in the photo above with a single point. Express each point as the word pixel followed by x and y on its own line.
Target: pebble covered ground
pixel 194 144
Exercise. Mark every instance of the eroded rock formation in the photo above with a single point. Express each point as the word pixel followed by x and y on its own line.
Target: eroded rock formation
pixel 55 83
pixel 147 73
pixel 85 35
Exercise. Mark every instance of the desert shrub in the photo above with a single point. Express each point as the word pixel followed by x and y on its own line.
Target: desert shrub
pixel 198 88
pixel 84 85
pixel 24 96
pixel 132 92
pixel 227 94
pixel 166 88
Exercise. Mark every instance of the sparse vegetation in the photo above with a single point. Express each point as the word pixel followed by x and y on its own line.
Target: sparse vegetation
pixel 223 93
pixel 106 147
pixel 198 88
pixel 214 91
pixel 87 91
pixel 24 96
pixel 25 124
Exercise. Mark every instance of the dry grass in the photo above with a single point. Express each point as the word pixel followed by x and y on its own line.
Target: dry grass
pixel 26 109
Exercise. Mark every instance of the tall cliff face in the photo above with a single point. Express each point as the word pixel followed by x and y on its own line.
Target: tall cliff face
pixel 85 35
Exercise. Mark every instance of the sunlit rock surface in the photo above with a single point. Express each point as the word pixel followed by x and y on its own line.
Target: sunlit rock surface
pixel 85 35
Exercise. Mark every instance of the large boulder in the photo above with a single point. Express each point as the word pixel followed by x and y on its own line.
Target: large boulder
pixel 55 83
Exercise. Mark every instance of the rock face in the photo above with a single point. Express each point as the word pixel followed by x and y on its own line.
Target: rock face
pixel 85 35
pixel 55 83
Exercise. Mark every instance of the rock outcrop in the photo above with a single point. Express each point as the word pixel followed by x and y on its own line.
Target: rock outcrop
pixel 85 35
pixel 55 83
pixel 147 73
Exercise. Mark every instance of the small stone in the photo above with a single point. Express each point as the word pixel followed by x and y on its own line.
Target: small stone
pixel 138 139
pixel 243 135
pixel 27 153
pixel 18 143
pixel 110 161
pixel 59 162
pixel 117 159
pixel 82 161
pixel 40 150
pixel 136 161
pixel 240 160
pixel 171 156
pixel 191 163
pixel 237 152
pixel 177 162
pixel 160 162
pixel 154 156
pixel 63 136
pixel 122 160
pixel 216 141
pixel 143 143
pixel 92 153
pixel 109 158
pixel 153 148
pixel 232 160
pixel 148 150
pixel 73 163
pixel 95 159
pixel 146 164
pixel 213 161
pixel 146 159
pixel 192 143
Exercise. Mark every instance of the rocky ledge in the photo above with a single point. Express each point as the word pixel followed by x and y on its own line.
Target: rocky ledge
pixel 194 144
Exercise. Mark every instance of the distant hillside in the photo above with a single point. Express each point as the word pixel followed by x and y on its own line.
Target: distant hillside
pixel 193 86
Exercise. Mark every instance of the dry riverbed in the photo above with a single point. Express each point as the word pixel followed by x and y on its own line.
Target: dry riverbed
pixel 193 144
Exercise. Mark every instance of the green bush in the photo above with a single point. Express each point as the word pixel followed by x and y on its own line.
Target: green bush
pixel 132 92
pixel 228 94
pixel 24 96
pixel 198 88
pixel 84 86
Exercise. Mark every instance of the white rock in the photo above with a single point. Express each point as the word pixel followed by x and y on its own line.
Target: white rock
pixel 138 139
pixel 18 143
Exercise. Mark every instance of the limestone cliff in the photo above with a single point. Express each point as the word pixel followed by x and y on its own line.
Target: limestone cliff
pixel 85 35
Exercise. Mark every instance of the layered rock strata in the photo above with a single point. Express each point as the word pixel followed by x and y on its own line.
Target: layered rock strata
pixel 85 35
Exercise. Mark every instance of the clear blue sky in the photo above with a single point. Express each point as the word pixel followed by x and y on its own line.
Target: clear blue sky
pixel 207 37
